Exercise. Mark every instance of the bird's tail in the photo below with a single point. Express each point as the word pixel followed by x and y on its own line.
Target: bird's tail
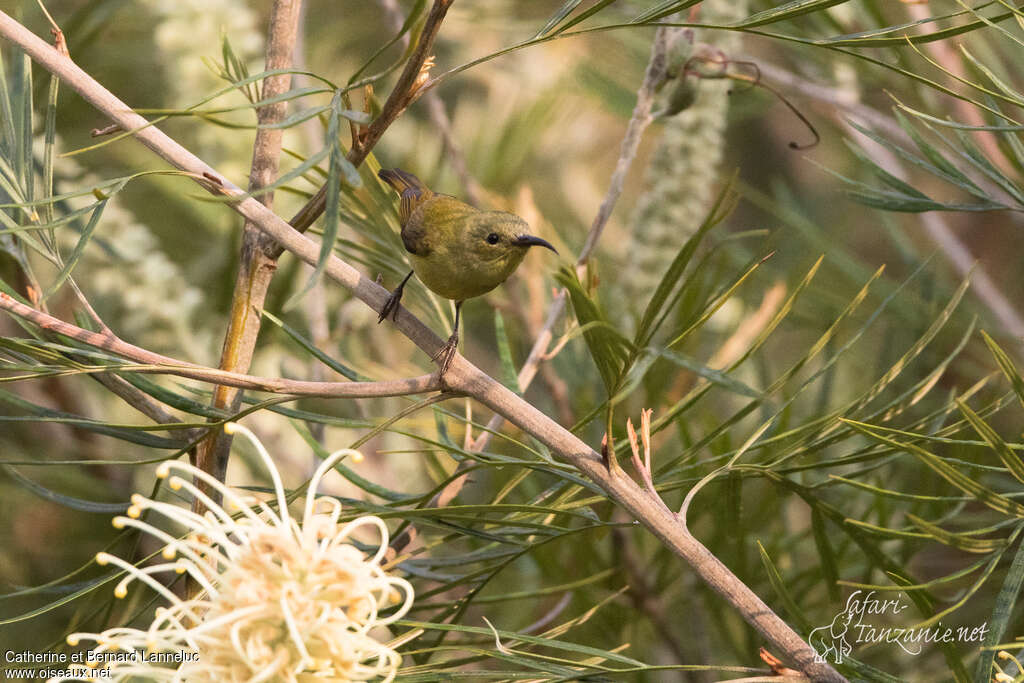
pixel 403 181
pixel 411 189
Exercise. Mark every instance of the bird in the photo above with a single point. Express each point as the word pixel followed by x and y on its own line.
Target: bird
pixel 458 251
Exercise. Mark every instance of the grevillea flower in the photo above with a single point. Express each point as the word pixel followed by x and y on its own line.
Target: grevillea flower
pixel 279 599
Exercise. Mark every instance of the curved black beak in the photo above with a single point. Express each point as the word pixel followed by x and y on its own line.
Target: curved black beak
pixel 531 241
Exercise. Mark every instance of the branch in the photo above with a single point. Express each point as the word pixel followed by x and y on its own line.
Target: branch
pixel 462 376
pixel 155 363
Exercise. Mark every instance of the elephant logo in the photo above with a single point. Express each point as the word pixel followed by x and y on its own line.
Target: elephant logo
pixel 830 643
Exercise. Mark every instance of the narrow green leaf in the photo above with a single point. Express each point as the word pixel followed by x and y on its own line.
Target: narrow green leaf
pixel 23 162
pixel 341 468
pixel 556 17
pixel 330 225
pixel 662 10
pixel 775 578
pixel 998 623
pixel 965 542
pixel 76 253
pixel 1006 365
pixel 584 15
pixel 717 377
pixel 35 412
pixel 943 167
pixel 509 376
pixel 6 110
pixel 49 139
pixel 308 345
pixel 1010 459
pixel 789 10
pixel 827 555
pixel 961 481
pixel 61 499
pixel 407 26
pixel 607 347
pixel 903 40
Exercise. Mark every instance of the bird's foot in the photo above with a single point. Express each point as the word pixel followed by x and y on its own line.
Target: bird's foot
pixel 391 305
pixel 445 354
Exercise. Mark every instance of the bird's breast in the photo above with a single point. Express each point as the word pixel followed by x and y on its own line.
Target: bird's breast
pixel 457 276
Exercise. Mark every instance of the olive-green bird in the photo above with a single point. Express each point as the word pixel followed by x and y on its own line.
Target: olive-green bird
pixel 456 250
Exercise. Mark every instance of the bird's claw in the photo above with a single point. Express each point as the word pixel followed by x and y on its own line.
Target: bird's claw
pixel 446 353
pixel 391 306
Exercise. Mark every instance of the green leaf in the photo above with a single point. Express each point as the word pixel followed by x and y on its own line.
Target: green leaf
pixel 76 253
pixel 782 590
pixel 865 40
pixel 826 554
pixel 1006 365
pixel 1006 454
pixel 665 8
pixel 584 15
pixel 509 376
pixel 608 348
pixel 789 10
pixel 61 499
pixel 1003 609
pixel 961 481
pixel 362 482
pixel 556 17
pixel 965 542
pixel 308 345
pixel 717 377
pixel 338 166
pixel 39 413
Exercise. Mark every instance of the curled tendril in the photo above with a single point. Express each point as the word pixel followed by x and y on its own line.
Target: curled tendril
pixel 752 81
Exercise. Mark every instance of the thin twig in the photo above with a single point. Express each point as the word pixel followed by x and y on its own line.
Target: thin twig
pixel 462 376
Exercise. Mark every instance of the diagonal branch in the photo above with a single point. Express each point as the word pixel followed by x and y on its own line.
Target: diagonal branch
pixel 462 376
pixel 155 363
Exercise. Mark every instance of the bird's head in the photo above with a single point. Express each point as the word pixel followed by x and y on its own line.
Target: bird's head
pixel 502 238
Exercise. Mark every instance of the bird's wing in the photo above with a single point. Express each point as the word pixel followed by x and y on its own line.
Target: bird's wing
pixel 410 188
pixel 442 220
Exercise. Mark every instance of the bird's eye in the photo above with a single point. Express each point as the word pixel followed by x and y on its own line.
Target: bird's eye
pixel 493 238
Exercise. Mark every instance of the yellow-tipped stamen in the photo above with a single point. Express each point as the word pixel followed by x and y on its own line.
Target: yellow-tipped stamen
pixel 314 482
pixel 275 477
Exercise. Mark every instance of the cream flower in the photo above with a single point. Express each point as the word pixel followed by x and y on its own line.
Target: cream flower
pixel 278 600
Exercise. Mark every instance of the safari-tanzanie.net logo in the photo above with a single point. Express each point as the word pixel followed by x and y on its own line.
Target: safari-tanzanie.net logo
pixel 865 620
